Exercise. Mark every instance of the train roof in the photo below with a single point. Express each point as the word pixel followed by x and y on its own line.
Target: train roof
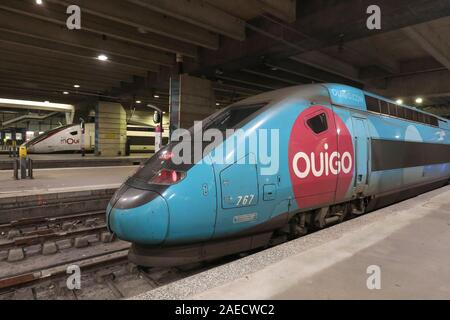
pixel 339 94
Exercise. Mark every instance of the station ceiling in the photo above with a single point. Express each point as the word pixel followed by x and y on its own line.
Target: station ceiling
pixel 244 46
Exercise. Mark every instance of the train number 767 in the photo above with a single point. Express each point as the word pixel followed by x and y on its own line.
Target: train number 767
pixel 245 200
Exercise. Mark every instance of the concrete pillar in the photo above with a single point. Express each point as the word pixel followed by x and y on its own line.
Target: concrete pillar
pixel 110 129
pixel 196 101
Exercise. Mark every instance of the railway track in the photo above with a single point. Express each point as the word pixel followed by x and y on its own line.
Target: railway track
pixel 106 272
pixel 33 226
pixel 26 238
pixel 104 276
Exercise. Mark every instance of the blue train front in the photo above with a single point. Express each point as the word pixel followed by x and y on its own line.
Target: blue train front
pixel 302 158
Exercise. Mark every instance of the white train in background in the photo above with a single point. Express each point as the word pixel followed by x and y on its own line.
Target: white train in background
pixel 68 139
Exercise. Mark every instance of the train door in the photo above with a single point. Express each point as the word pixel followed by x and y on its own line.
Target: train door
pixel 238 197
pixel 313 140
pixel 361 142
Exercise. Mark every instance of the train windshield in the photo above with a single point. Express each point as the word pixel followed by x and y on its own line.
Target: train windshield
pixel 45 135
pixel 233 117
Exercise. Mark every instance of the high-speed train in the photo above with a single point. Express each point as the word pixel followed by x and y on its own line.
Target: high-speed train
pixel 68 138
pixel 341 152
pixel 63 139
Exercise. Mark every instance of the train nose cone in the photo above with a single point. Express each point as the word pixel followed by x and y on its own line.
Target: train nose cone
pixel 138 216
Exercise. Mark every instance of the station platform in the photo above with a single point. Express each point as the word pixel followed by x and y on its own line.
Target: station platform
pixel 64 180
pixel 52 161
pixel 407 243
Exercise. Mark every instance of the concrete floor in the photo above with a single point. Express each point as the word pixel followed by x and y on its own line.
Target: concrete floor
pixel 68 179
pixel 409 242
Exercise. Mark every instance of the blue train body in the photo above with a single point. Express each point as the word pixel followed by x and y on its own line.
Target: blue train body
pixel 339 150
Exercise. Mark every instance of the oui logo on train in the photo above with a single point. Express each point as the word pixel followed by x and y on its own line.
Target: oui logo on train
pixel 329 163
pixel 321 156
pixel 69 141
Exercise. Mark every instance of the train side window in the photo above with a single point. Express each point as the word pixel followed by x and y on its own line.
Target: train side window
pixel 384 107
pixel 393 110
pixel 400 112
pixel 318 124
pixel 434 121
pixel 408 114
pixel 373 104
pixel 415 115
pixel 420 117
pixel 74 133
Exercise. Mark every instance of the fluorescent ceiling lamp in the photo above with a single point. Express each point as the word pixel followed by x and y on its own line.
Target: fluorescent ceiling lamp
pixel 46 104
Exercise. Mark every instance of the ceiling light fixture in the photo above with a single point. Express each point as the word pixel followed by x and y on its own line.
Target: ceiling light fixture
pixel 28 103
pixel 419 100
pixel 102 57
pixel 76 85
pixel 156 96
pixel 66 92
pixel 138 101
pixel 399 101
pixel 39 2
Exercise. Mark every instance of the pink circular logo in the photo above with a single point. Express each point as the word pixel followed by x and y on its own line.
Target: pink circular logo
pixel 321 158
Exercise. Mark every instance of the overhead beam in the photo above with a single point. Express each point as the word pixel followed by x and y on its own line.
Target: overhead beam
pixel 54 72
pixel 432 84
pixel 22 42
pixel 38 95
pixel 50 85
pixel 60 82
pixel 199 13
pixel 59 78
pixel 319 24
pixel 432 41
pixel 56 13
pixel 278 75
pixel 309 72
pixel 68 66
pixel 324 62
pixel 254 81
pixel 235 89
pixel 376 53
pixel 145 19
pixel 18 24
pixel 283 9
pixel 68 72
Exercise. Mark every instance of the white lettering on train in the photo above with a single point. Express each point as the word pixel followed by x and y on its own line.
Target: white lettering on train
pixel 333 164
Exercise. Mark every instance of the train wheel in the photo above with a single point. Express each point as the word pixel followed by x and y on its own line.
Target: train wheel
pixel 297 226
